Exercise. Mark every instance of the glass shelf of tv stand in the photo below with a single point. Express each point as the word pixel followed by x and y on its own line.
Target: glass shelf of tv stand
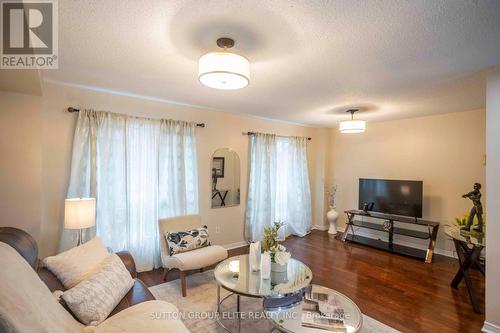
pixel 396 230
pixel 389 245
pixel 395 218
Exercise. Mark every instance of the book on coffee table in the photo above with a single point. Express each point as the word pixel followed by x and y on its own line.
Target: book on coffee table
pixel 323 311
pixel 324 323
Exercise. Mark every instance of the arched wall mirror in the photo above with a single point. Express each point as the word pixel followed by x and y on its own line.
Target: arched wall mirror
pixel 225 178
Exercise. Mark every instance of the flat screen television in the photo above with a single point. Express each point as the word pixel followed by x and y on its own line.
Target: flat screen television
pixel 397 197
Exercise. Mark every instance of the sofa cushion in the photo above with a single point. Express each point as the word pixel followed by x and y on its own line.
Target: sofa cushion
pixel 26 304
pixel 147 317
pixel 92 300
pixel 196 259
pixel 183 241
pixel 77 264
pixel 137 294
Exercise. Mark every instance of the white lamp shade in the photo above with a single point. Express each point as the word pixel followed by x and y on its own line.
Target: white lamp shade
pixel 79 213
pixel 352 126
pixel 224 70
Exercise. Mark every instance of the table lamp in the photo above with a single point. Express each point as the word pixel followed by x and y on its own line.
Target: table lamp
pixel 79 214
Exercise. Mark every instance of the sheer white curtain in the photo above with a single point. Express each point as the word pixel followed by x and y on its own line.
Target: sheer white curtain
pixel 278 185
pixel 139 170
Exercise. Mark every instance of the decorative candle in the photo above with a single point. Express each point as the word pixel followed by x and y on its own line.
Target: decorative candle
pixel 265 265
pixel 234 266
pixel 254 256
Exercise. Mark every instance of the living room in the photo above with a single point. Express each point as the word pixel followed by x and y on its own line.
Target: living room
pixel 123 148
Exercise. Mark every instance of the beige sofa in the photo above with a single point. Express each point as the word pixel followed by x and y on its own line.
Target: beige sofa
pixel 27 305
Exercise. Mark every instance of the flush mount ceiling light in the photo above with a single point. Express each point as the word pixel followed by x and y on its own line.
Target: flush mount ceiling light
pixel 352 126
pixel 224 70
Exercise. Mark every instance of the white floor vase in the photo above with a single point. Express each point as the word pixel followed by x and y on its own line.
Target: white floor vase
pixel 332 216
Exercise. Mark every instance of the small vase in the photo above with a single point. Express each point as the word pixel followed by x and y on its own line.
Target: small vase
pixel 277 268
pixel 278 278
pixel 332 216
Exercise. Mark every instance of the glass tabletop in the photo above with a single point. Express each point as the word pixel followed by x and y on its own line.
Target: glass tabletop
pixel 290 320
pixel 235 275
pixel 465 236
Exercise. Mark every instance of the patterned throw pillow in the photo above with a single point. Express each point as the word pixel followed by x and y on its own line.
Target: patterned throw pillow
pixel 184 241
pixel 92 300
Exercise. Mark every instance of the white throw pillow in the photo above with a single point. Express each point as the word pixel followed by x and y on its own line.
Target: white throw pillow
pixel 92 300
pixel 75 265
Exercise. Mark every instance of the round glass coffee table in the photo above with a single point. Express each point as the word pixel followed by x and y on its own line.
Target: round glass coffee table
pixel 290 320
pixel 235 275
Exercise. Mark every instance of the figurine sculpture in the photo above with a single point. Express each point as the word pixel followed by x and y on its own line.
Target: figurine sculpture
pixel 477 209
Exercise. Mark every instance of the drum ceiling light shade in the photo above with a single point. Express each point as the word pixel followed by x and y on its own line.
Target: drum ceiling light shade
pixel 352 126
pixel 224 70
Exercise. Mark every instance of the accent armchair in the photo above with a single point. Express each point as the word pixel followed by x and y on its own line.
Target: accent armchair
pixel 197 259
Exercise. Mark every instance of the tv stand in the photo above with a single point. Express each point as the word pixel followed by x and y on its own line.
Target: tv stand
pixel 387 225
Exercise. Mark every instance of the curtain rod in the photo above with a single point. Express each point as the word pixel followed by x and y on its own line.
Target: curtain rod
pixel 281 136
pixel 72 109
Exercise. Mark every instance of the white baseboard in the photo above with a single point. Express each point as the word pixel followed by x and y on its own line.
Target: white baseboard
pixel 235 245
pixel 490 328
pixel 320 227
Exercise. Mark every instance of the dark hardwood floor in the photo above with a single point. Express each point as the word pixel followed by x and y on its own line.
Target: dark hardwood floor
pixel 401 292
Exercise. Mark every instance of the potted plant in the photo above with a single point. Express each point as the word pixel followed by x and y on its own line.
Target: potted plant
pixel 462 220
pixel 332 216
pixel 278 253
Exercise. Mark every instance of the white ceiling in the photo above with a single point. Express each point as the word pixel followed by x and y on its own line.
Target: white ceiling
pixel 310 59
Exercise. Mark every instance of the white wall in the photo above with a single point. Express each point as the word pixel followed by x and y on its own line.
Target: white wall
pixel 445 151
pixel 493 200
pixel 20 151
pixel 23 81
pixel 222 130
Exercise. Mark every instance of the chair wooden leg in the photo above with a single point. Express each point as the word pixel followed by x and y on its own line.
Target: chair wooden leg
pixel 182 275
pixel 165 272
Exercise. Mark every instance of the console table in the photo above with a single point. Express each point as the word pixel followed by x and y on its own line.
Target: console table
pixel 222 197
pixel 429 231
pixel 469 247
